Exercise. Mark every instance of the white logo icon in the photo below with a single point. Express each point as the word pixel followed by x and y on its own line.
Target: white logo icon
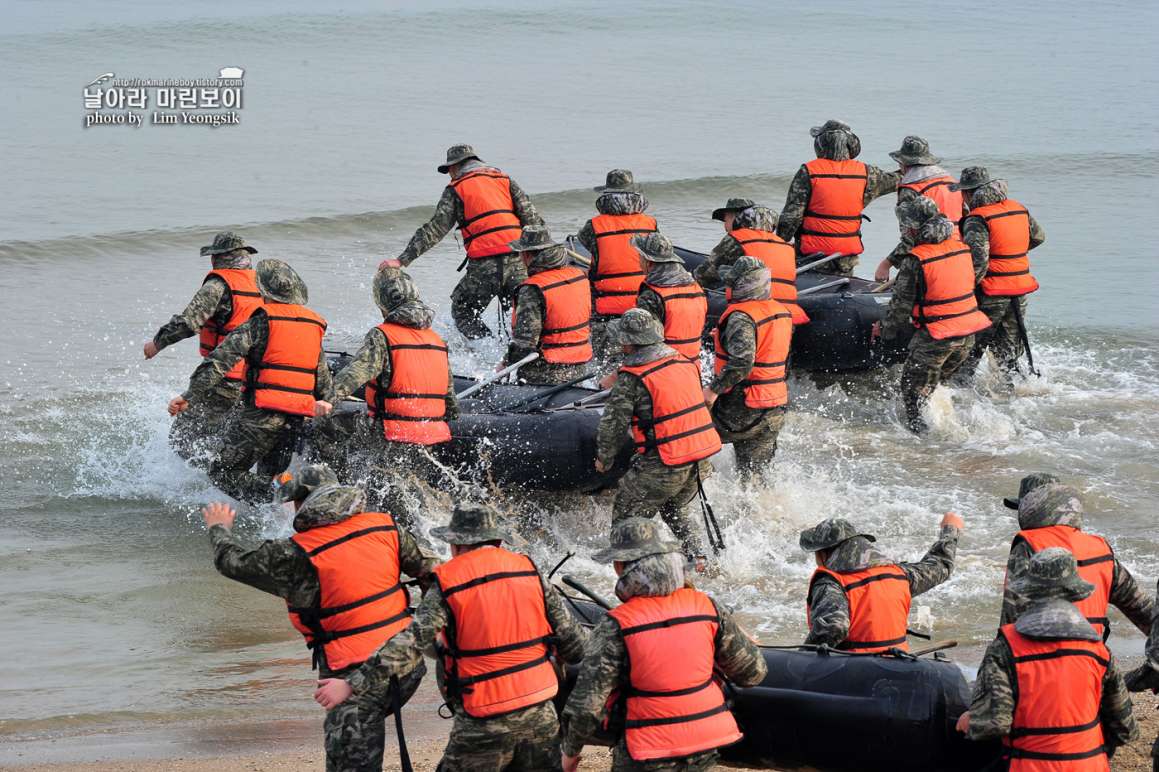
pixel 231 73
pixel 101 78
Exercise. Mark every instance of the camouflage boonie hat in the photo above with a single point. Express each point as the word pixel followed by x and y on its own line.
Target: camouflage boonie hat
pixel 533 239
pixel 457 154
pixel 743 266
pixel 914 212
pixel 227 241
pixel 393 287
pixel 1029 483
pixel 914 151
pixel 972 177
pixel 472 523
pixel 618 180
pixel 732 205
pixel 634 538
pixel 293 485
pixel 1051 504
pixel 829 533
pixel 830 125
pixel 278 282
pixel 1052 573
pixel 639 328
pixel 656 248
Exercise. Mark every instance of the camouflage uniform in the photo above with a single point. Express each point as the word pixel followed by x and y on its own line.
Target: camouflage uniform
pixel 836 142
pixel 728 249
pixel 1146 676
pixel 255 435
pixel 487 277
pixel 653 568
pixel 829 607
pixel 1052 504
pixel 526 739
pixel 355 731
pixel 1052 584
pixel 753 432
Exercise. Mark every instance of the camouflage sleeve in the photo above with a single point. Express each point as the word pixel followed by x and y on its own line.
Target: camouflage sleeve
pixel 878 182
pixel 529 313
pixel 1037 234
pixel 977 238
pixel 793 212
pixel 650 302
pixel 276 566
pixel 447 214
pixel 210 300
pixel 992 703
pixel 617 418
pixel 1119 725
pixel 402 652
pixel 570 637
pixel 740 341
pixel 452 400
pixel 603 670
pixel 367 364
pixel 1153 638
pixel 524 209
pixel 737 655
pixel 936 565
pixel 905 291
pixel 323 380
pixel 1015 567
pixel 726 252
pixel 1127 596
pixel 221 360
pixel 828 613
pixel 905 194
pixel 587 237
pixel 899 252
pixel 415 562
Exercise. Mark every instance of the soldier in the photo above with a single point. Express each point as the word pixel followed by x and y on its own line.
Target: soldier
pixel 1146 676
pixel 1051 515
pixel 553 311
pixel 827 195
pixel 749 230
pixel 340 576
pixel 858 598
pixel 671 295
pixel 281 344
pixel 614 272
pixel 657 396
pixel 409 394
pixel 490 210
pixel 935 293
pixel 494 621
pixel 659 651
pixel 749 393
pixel 227 297
pixel 1000 233
pixel 1047 685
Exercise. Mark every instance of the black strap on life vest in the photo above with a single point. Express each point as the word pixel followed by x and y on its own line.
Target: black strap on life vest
pixel 396 702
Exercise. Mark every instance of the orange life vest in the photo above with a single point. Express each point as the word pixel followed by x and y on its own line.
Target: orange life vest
pixel 681 429
pixel 1009 269
pixel 489 220
pixel 675 706
pixel 1058 687
pixel 566 337
pixel 767 383
pixel 685 309
pixel 285 377
pixel 363 603
pixel 780 257
pixel 615 270
pixel 937 189
pixel 879 601
pixel 946 305
pixel 832 221
pixel 242 286
pixel 497 639
pixel 1096 562
pixel 413 406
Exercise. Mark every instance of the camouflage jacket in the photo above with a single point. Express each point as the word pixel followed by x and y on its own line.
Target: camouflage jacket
pixel 372 361
pixel 629 398
pixel 211 301
pixel 877 184
pixel 402 652
pixel 605 669
pixel 828 606
pixel 724 254
pixel 1126 594
pixel 1153 638
pixel 899 314
pixel 449 214
pixel 740 342
pixel 247 340
pixel 662 275
pixel 977 236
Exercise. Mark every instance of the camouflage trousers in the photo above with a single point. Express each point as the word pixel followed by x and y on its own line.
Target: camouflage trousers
pixel 842 266
pixel 650 488
pixel 540 373
pixel 524 741
pixel 929 363
pixel 1001 338
pixel 606 342
pixel 485 279
pixel 355 731
pixel 196 434
pixel 254 436
pixel 753 434
pixel 700 762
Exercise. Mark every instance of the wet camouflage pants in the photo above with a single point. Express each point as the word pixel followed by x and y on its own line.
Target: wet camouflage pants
pixel 525 741
pixel 485 279
pixel 754 440
pixel 608 353
pixel 196 434
pixel 650 488
pixel 701 762
pixel 542 373
pixel 929 363
pixel 1002 338
pixel 842 266
pixel 355 731
pixel 254 436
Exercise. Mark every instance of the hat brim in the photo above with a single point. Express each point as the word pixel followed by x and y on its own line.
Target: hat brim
pixel 1032 589
pixel 628 554
pixel 651 258
pixel 914 160
pixel 210 250
pixel 1011 503
pixel 451 536
pixel 444 168
pixel 633 188
pixel 519 246
pixel 718 214
pixel 957 186
pixel 830 545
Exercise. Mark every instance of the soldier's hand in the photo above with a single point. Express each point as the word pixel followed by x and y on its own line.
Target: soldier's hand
pixel 710 396
pixel 955 520
pixel 882 272
pixel 1142 678
pixel 178 405
pixel 963 724
pixel 609 380
pixel 151 349
pixel 875 332
pixel 218 513
pixel 570 763
pixel 332 692
pixel 322 408
pixel 390 262
pixel 600 466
